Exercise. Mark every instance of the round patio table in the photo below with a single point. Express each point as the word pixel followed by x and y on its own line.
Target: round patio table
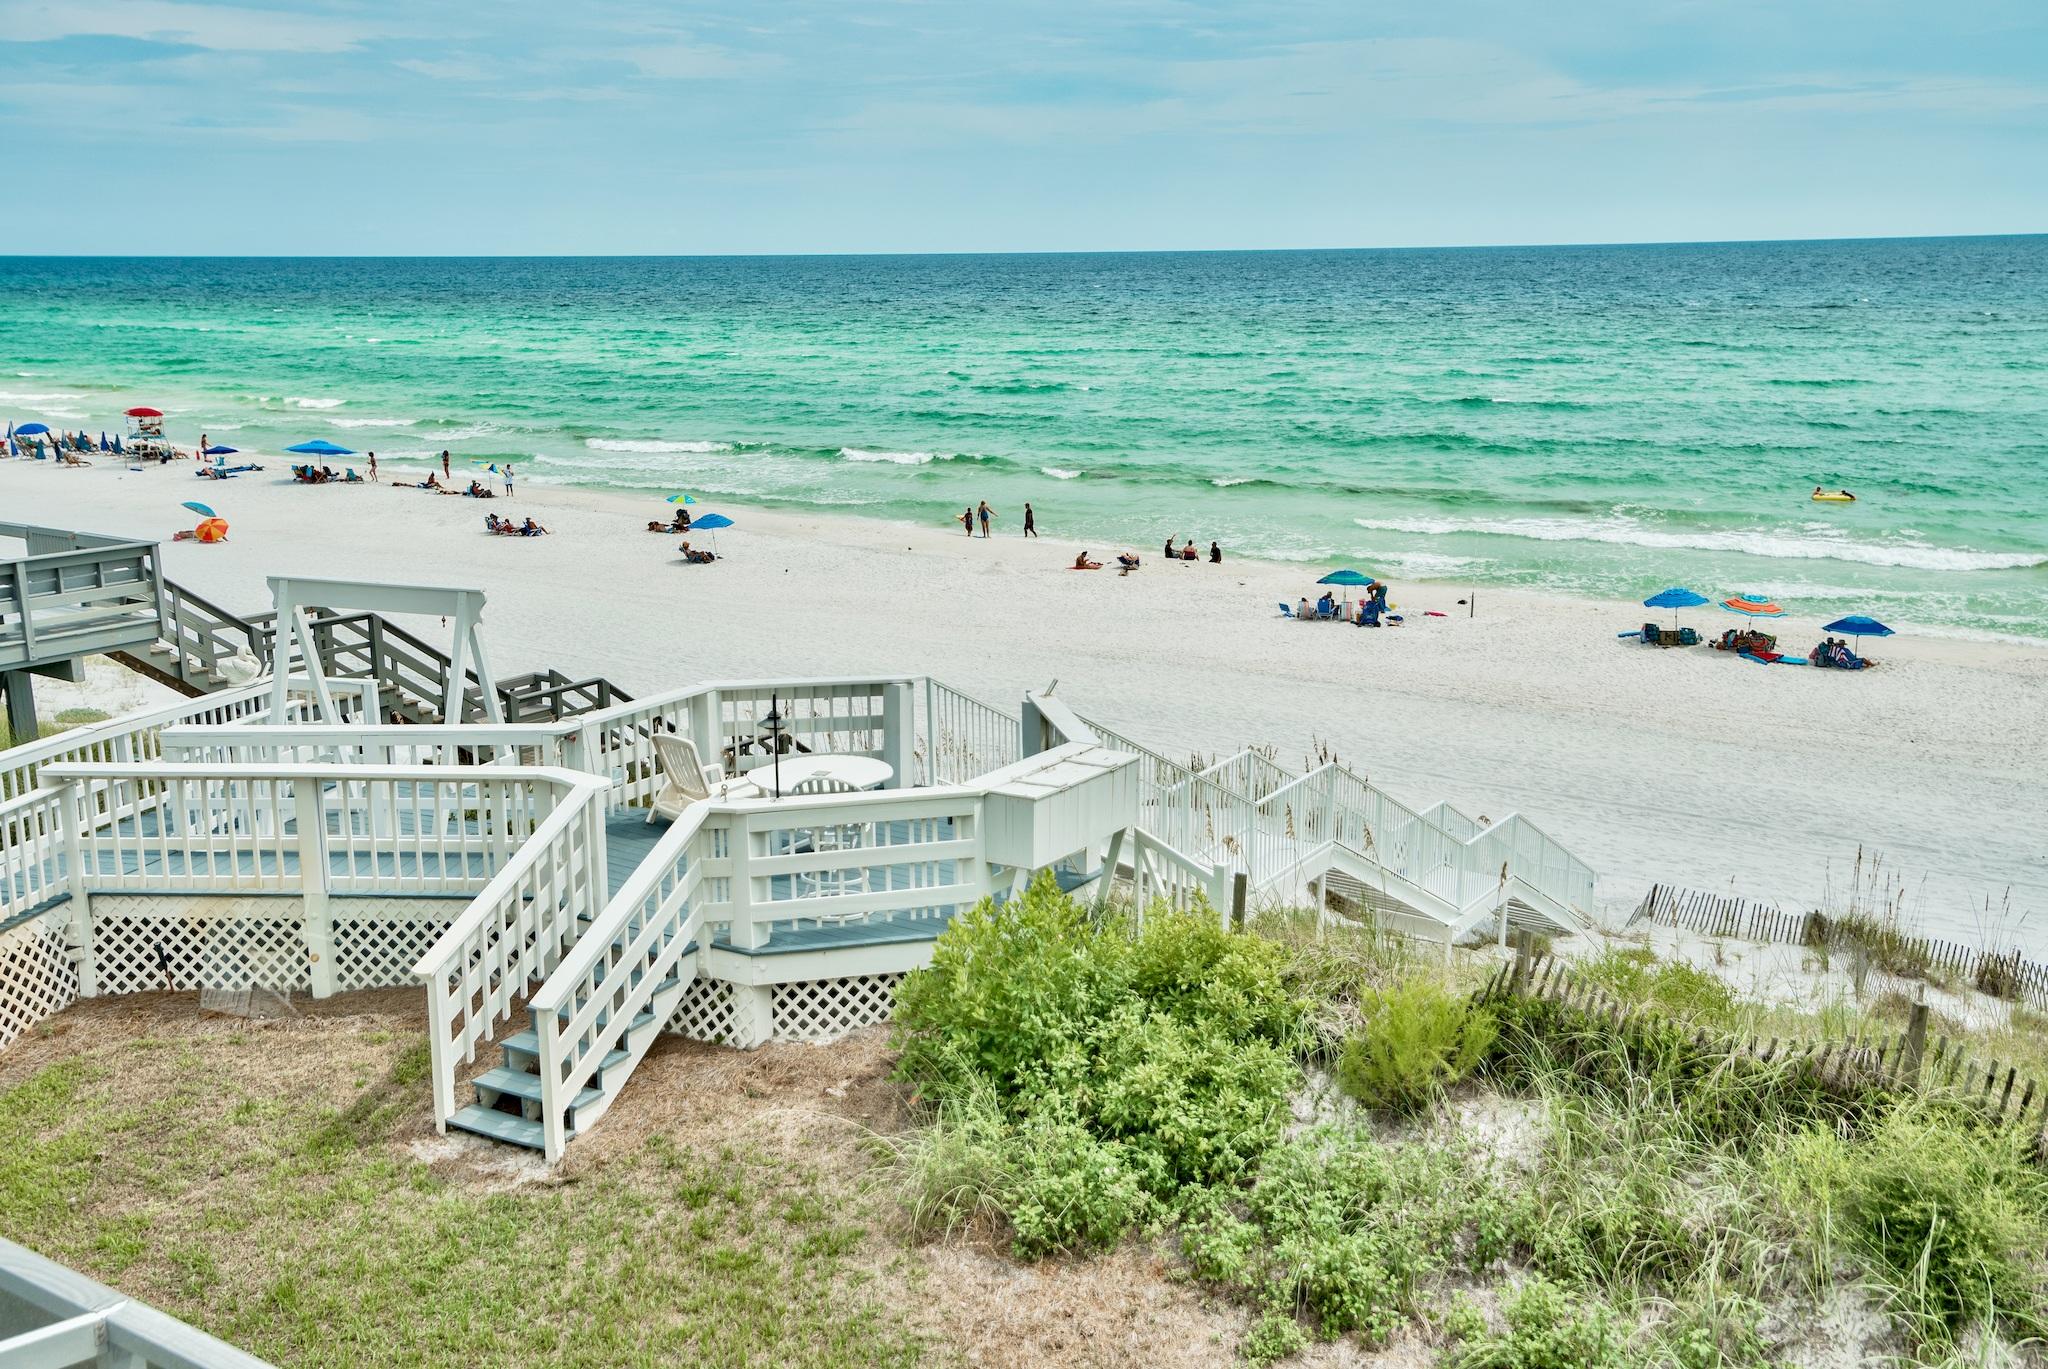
pixel 862 772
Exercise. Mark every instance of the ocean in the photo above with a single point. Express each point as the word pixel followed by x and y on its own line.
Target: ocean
pixel 1590 420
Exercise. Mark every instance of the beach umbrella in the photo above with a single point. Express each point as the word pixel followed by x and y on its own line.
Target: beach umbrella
pixel 202 510
pixel 218 451
pixel 711 523
pixel 1346 576
pixel 320 446
pixel 1675 598
pixel 211 530
pixel 117 442
pixel 143 411
pixel 682 499
pixel 105 445
pixel 1752 606
pixel 1858 626
pixel 31 429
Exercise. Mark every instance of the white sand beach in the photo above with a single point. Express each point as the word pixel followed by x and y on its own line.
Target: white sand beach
pixel 1686 766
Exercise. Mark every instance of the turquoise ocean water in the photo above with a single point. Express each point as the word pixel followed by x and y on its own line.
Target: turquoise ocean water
pixel 1603 420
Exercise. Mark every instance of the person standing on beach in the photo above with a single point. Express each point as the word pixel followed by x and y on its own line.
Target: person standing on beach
pixel 373 468
pixel 444 465
pixel 967 522
pixel 1030 523
pixel 508 480
pixel 987 513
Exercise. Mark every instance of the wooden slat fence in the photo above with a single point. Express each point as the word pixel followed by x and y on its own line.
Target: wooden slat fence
pixel 1907 1059
pixel 2005 974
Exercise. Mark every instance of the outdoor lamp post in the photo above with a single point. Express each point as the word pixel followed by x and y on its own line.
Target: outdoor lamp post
pixel 773 722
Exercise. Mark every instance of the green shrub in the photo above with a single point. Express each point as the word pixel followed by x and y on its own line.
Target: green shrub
pixel 1419 1038
pixel 1549 1329
pixel 1274 1336
pixel 1086 1078
pixel 1950 1217
pixel 1341 1230
pixel 1634 975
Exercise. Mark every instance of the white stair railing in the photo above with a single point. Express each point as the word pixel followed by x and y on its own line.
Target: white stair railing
pixel 515 931
pixel 633 945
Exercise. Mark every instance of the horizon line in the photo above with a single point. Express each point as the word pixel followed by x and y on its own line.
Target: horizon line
pixel 1009 252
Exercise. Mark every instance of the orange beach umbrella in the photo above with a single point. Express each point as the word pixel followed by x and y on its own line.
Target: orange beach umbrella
pixel 1752 606
pixel 211 530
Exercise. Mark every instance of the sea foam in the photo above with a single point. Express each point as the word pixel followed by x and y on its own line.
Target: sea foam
pixel 653 445
pixel 1779 545
pixel 893 458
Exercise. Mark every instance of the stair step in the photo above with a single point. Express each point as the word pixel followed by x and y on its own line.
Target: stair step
pixel 519 1084
pixel 527 1043
pixel 500 1126
pixel 161 648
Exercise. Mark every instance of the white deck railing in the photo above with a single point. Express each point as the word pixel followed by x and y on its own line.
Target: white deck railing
pixel 305 830
pixel 964 737
pixel 540 744
pixel 32 870
pixel 514 932
pixel 135 736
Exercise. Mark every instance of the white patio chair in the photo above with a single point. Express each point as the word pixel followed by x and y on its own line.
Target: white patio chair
pixel 685 779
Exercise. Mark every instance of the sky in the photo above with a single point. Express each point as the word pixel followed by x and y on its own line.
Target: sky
pixel 601 126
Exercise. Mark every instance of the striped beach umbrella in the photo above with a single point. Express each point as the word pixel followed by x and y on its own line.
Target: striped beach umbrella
pixel 1752 606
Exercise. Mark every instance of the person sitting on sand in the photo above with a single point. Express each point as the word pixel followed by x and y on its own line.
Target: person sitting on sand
pixel 1301 610
pixel 1128 560
pixel 1188 552
pixel 432 482
pixel 1082 562
pixel 1326 605
pixel 532 529
pixel 1169 552
pixel 696 558
pixel 1215 554
pixel 681 522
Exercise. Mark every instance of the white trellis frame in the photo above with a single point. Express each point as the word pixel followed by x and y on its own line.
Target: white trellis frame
pixel 294 594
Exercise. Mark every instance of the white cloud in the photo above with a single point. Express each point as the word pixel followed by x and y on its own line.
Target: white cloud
pixel 227 28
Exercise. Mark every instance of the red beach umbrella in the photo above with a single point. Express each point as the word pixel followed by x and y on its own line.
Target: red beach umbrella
pixel 143 412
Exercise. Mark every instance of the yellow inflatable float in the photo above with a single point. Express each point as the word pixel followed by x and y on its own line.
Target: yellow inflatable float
pixel 1833 497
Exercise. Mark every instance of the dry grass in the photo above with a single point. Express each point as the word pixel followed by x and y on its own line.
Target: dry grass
pixel 280 1184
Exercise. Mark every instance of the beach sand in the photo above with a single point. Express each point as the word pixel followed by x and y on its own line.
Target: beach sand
pixel 1686 766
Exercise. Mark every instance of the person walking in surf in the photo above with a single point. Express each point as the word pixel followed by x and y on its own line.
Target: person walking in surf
pixel 987 514
pixel 1030 522
pixel 967 522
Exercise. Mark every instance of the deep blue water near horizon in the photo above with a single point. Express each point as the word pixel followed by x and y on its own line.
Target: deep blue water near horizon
pixel 1602 420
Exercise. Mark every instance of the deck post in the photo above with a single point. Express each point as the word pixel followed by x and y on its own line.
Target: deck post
pixel 80 910
pixel 1110 858
pixel 312 824
pixel 899 732
pixel 1237 898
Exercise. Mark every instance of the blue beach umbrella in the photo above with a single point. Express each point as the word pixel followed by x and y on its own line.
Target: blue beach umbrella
pixel 1858 626
pixel 1346 576
pixel 31 429
pixel 218 451
pixel 320 446
pixel 711 523
pixel 1675 598
pixel 682 499
pixel 202 510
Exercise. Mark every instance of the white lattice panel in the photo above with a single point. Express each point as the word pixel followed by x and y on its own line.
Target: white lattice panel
pixel 820 1009
pixel 233 942
pixel 706 1013
pixel 376 946
pixel 37 977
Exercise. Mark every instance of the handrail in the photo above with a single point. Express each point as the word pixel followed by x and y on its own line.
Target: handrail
pixel 377 742
pixel 513 931
pixel 128 732
pixel 640 936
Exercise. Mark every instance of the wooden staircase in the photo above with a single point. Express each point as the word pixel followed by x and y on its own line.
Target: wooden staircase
pixel 411 673
pixel 509 1097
